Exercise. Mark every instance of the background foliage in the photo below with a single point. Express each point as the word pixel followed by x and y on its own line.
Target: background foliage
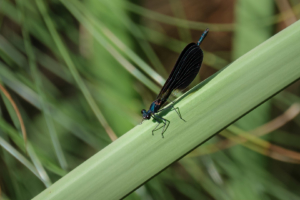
pixel 80 70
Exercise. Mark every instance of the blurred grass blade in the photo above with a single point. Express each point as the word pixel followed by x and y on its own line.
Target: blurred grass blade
pixel 8 49
pixel 262 146
pixel 19 157
pixel 17 112
pixel 208 108
pixel 96 23
pixel 38 165
pixel 202 26
pixel 204 180
pixel 127 65
pixel 73 70
pixel 135 30
pixel 29 95
pixel 13 134
pixel 38 84
pixel 175 21
pixel 178 11
pixel 140 62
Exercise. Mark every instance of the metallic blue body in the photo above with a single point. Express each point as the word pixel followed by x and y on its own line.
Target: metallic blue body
pixel 154 107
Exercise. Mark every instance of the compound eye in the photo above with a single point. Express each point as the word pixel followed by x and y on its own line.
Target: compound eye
pixel 142 111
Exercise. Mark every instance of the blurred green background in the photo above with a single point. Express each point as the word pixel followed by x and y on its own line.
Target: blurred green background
pixel 79 71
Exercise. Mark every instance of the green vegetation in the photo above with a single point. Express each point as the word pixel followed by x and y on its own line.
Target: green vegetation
pixel 79 73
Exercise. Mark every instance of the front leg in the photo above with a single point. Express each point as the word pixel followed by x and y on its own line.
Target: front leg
pixel 156 117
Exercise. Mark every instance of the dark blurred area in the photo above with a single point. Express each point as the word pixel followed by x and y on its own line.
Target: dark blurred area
pixel 74 69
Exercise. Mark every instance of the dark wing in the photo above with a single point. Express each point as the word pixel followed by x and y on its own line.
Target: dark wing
pixel 184 71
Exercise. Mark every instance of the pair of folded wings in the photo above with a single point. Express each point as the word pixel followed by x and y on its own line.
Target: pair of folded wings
pixel 184 71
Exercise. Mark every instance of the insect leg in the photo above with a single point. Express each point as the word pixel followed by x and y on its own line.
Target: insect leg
pixel 178 113
pixel 163 121
pixel 155 126
pixel 153 116
pixel 141 121
pixel 173 108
